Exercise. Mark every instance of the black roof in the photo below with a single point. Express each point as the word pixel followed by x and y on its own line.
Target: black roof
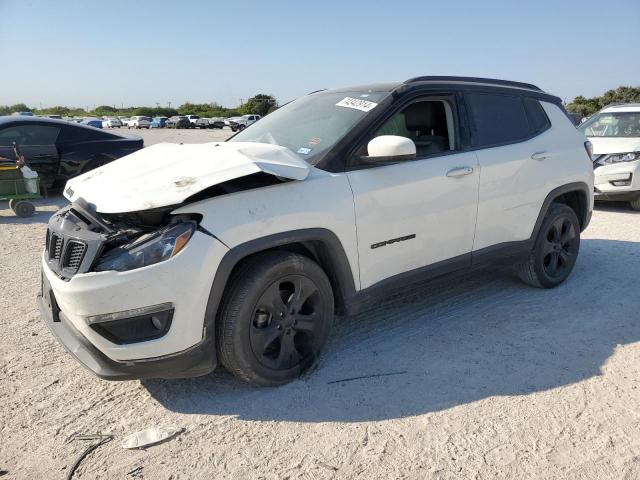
pixel 18 119
pixel 437 80
pixel 475 80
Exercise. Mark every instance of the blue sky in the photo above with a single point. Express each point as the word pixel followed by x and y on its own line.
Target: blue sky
pixel 87 52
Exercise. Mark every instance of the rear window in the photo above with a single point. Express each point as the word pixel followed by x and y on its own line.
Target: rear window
pixel 497 119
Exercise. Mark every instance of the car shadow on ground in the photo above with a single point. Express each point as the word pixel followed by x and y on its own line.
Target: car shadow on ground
pixel 622 207
pixel 444 344
pixel 45 207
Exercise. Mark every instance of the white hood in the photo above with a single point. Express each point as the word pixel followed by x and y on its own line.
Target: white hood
pixel 167 173
pixel 604 145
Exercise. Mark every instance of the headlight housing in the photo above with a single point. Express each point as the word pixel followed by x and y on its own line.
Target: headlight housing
pixel 618 158
pixel 148 249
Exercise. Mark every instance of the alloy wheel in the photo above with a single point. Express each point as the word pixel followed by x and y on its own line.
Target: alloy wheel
pixel 287 323
pixel 560 248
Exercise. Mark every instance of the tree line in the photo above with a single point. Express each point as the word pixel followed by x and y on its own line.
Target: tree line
pixel 588 106
pixel 260 104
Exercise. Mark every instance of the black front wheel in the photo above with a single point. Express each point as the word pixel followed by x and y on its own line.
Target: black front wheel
pixel 555 249
pixel 275 319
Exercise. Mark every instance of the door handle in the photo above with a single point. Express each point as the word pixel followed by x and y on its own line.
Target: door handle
pixel 540 156
pixel 459 172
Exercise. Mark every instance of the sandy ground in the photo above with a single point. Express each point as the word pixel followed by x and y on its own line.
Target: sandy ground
pixel 487 378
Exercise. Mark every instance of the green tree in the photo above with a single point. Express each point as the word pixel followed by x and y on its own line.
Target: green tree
pixel 104 111
pixel 260 104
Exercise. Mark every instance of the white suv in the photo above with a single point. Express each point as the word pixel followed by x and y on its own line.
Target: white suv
pixel 181 257
pixel 138 122
pixel 615 135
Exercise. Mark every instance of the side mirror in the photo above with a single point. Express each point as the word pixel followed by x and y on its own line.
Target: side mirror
pixel 389 149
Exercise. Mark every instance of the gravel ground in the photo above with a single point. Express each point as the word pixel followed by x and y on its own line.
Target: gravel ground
pixel 487 378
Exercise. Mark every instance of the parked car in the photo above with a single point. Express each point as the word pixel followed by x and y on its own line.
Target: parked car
pixel 92 122
pixel 615 134
pixel 59 150
pixel 159 122
pixel 192 120
pixel 58 117
pixel 178 122
pixel 138 121
pixel 22 114
pixel 202 123
pixel 241 252
pixel 576 118
pixel 216 122
pixel 240 123
pixel 112 122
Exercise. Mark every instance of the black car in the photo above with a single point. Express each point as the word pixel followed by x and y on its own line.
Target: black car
pixel 59 150
pixel 178 122
pixel 216 123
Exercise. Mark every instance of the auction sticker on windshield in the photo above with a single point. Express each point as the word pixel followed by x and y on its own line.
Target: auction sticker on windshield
pixel 356 103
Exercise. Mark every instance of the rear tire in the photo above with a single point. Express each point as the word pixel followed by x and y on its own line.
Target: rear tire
pixel 275 318
pixel 635 204
pixel 555 249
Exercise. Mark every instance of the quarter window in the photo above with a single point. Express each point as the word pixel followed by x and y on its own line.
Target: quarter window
pixel 497 119
pixel 538 120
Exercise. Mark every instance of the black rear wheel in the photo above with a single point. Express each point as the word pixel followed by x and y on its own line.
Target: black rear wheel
pixel 275 319
pixel 555 250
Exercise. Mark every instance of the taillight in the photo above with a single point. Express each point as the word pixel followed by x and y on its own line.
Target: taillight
pixel 588 146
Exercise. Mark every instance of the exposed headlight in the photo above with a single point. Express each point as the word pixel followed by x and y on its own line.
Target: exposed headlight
pixel 618 158
pixel 148 249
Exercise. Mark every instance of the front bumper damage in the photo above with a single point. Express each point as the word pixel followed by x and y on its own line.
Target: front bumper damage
pixel 74 300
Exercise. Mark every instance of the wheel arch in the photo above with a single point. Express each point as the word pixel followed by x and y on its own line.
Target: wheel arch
pixel 320 244
pixel 575 195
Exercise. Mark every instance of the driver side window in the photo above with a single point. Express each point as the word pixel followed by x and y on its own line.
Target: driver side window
pixel 429 123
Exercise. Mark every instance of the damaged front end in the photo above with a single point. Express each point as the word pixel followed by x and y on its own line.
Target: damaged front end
pixel 80 240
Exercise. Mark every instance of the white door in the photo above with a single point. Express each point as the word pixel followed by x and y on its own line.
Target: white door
pixel 417 212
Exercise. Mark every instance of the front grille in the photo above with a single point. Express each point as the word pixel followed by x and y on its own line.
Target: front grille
pixel 55 247
pixel 73 253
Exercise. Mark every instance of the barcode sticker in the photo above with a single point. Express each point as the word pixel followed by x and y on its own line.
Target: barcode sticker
pixel 357 104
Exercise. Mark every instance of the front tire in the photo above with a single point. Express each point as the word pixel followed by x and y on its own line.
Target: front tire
pixel 635 204
pixel 275 318
pixel 555 249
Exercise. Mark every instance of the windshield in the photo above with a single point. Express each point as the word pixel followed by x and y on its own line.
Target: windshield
pixel 311 125
pixel 622 124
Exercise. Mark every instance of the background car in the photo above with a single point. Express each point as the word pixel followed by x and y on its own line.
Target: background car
pixel 138 121
pixel 202 123
pixel 614 133
pixel 111 122
pixel 216 122
pixel 178 122
pixel 59 150
pixel 159 122
pixel 23 114
pixel 192 120
pixel 92 122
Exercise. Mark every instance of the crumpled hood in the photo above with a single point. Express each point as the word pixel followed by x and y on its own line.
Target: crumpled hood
pixel 603 145
pixel 167 173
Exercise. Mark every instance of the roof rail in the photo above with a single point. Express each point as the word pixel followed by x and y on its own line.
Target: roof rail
pixel 494 81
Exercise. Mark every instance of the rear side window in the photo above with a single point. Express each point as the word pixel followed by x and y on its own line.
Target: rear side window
pixel 28 135
pixel 538 120
pixel 497 119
